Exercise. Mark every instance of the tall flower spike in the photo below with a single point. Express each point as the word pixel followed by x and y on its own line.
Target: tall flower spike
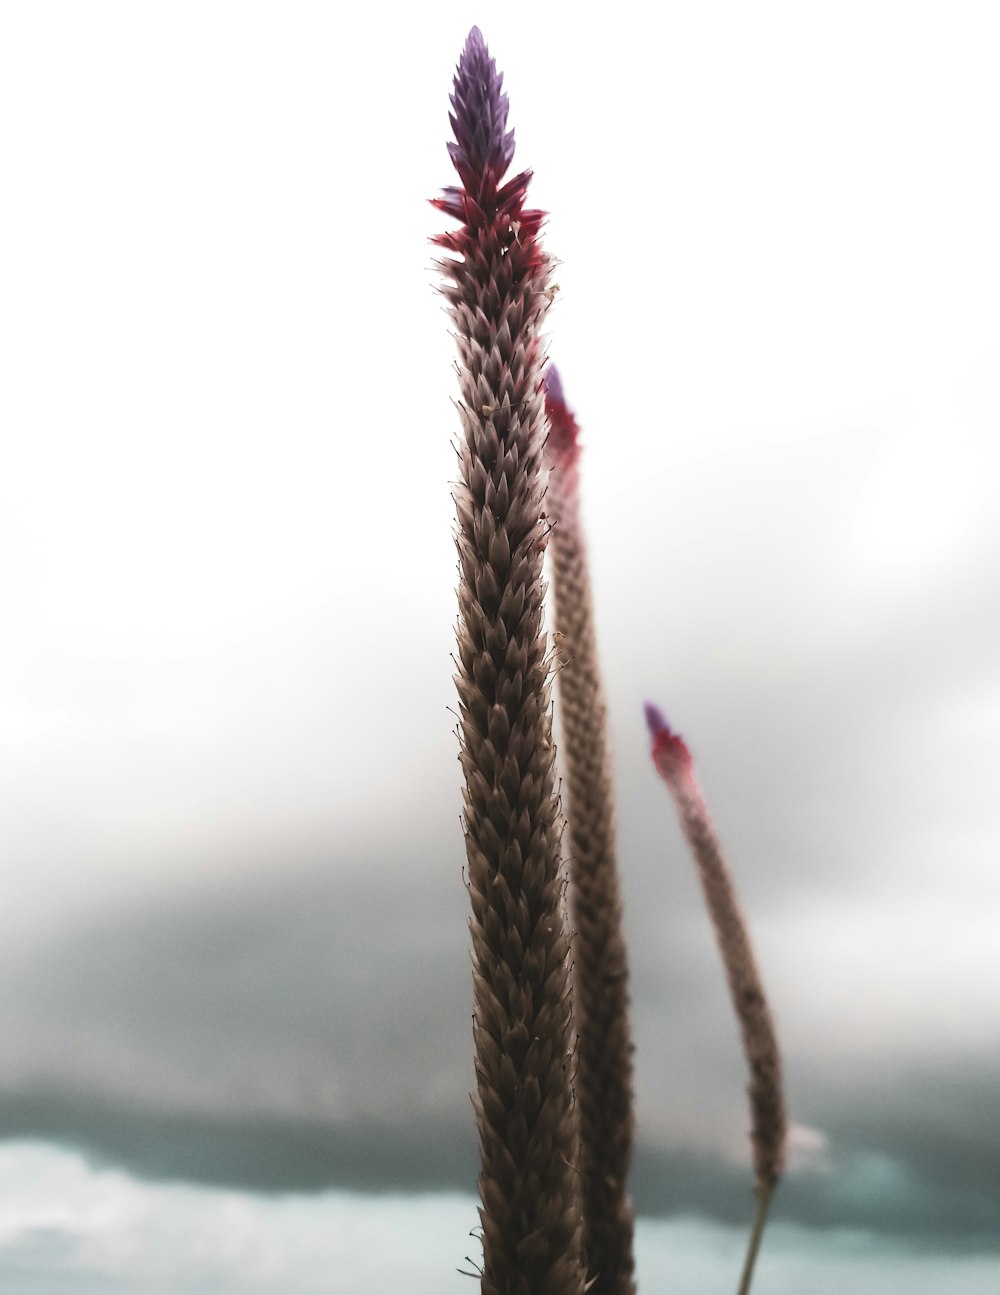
pixel 496 286
pixel 600 971
pixel 760 1045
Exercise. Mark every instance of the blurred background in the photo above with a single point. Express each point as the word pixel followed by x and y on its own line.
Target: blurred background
pixel 235 990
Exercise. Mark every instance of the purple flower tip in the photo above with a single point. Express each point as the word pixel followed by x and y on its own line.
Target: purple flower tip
pixel 553 385
pixel 562 447
pixel 670 753
pixel 482 141
pixel 656 721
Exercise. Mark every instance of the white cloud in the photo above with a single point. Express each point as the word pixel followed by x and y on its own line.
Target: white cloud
pixel 61 1217
pixel 808 1150
pixel 67 1226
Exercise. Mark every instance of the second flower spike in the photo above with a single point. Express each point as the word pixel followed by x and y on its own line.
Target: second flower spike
pixel 600 970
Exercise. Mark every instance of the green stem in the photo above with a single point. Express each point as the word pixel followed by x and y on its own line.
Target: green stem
pixel 764 1195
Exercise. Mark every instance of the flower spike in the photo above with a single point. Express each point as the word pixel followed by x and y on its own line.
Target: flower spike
pixel 496 287
pixel 760 1045
pixel 600 964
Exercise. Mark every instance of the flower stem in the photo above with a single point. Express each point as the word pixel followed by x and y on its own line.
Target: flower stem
pixel 764 1194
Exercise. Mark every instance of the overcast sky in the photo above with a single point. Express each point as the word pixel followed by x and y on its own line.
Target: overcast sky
pixel 234 943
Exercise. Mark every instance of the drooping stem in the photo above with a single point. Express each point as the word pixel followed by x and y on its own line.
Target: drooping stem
pixel 522 1025
pixel 600 968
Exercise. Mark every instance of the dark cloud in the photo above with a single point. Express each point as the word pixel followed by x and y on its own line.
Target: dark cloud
pixel 310 1028
pixel 259 1153
pixel 938 1119
pixel 862 1189
pixel 333 994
